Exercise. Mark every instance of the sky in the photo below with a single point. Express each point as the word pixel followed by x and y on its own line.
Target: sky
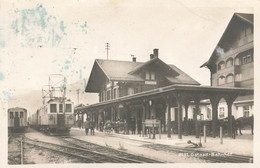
pixel 39 38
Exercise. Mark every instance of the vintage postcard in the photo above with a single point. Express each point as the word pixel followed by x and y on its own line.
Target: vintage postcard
pixel 129 83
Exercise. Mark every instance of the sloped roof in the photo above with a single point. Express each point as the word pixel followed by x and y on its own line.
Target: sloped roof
pixel 123 71
pixel 183 78
pixel 159 62
pixel 119 70
pixel 249 18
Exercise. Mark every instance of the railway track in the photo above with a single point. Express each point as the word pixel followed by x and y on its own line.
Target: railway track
pixel 86 155
pixel 211 156
pixel 15 149
pixel 126 157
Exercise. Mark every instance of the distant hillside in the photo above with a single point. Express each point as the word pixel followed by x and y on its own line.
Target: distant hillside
pixel 84 98
pixel 32 99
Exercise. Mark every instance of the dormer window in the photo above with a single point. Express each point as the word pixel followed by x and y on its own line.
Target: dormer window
pixel 149 75
pixel 152 76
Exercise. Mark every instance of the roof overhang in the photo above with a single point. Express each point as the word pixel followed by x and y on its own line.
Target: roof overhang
pixel 245 17
pixel 96 79
pixel 206 91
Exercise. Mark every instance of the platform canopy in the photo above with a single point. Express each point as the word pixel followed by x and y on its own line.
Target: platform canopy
pixel 204 92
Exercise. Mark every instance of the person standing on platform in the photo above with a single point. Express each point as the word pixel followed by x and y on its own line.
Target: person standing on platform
pixel 92 127
pixel 87 126
pixel 133 125
pixel 139 126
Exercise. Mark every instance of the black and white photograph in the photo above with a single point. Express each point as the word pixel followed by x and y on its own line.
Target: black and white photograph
pixel 129 83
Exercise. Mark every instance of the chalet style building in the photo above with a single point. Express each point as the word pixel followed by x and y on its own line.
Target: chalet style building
pixel 113 79
pixel 122 78
pixel 232 63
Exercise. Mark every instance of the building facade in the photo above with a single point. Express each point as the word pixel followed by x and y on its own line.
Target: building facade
pixel 232 63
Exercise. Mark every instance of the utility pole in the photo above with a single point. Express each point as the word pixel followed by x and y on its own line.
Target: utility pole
pixel 78 95
pixel 107 46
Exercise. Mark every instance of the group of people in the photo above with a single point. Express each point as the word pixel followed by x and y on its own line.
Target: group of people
pixel 89 125
pixel 133 123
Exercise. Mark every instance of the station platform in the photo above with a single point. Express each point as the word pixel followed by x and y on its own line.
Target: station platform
pixel 242 145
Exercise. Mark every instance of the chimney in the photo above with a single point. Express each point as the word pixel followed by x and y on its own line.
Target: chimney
pixel 134 59
pixel 151 56
pixel 156 53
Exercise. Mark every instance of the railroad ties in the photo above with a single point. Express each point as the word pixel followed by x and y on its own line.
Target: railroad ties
pixel 15 149
pixel 88 152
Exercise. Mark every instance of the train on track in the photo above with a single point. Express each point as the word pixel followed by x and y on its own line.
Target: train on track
pixel 17 119
pixel 55 117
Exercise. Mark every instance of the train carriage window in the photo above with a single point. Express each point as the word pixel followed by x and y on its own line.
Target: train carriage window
pixel 53 108
pixel 68 108
pixel 11 115
pixel 60 108
pixel 21 114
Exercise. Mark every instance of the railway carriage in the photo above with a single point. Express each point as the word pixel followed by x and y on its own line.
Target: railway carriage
pixel 17 119
pixel 55 117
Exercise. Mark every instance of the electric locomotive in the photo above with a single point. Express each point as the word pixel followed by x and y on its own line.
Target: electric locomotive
pixel 55 117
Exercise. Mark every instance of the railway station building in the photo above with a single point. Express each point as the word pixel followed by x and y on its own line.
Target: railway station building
pixel 134 92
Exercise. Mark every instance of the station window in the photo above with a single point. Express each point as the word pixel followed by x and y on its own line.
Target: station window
pixel 102 96
pixel 60 108
pixel 21 114
pixel 68 108
pixel 130 91
pixel 152 76
pixel 53 108
pixel 147 75
pixel 229 62
pixel 115 93
pixel 108 95
pixel 230 78
pixel 221 80
pixel 238 77
pixel 11 115
pixel 237 61
pixel 221 65
pixel 245 111
pixel 246 59
pixel 16 114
